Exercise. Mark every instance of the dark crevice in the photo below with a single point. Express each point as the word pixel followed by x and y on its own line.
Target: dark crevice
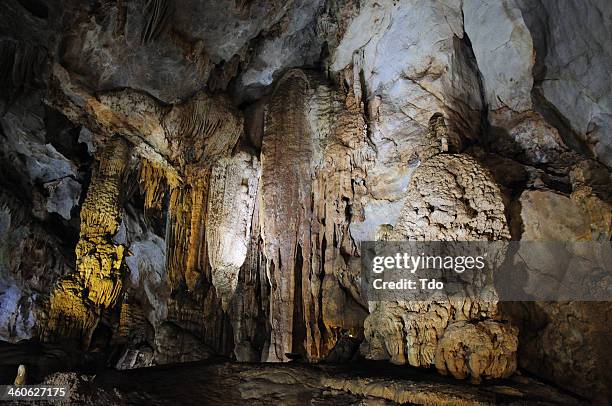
pixel 366 108
pixel 36 7
pixel 299 327
pixel 158 14
pixel 484 112
pixel 321 276
pixel 560 123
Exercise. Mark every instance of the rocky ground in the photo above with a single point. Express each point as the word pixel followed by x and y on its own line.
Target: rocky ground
pixel 219 382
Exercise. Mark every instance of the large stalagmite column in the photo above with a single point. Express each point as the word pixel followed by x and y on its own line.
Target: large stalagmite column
pixel 78 299
pixel 314 156
pixel 286 198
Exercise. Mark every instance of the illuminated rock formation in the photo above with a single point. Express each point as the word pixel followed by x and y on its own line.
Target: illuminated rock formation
pixel 20 379
pixel 231 200
pixel 450 198
pixel 76 302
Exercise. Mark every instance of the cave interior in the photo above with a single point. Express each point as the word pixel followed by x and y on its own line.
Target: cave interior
pixel 185 188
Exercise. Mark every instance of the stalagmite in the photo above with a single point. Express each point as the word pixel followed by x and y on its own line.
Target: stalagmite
pixel 450 198
pixel 20 379
pixel 76 302
pixel 314 157
pixel 286 189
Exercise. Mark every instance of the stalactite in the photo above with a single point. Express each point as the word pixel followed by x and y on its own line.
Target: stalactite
pixel 231 199
pixel 196 249
pixel 347 157
pixel 250 322
pixel 158 14
pixel 201 135
pixel 154 181
pixel 185 233
pixel 21 65
pixel 177 234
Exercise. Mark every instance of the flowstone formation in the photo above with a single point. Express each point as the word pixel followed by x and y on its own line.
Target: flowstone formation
pixel 450 198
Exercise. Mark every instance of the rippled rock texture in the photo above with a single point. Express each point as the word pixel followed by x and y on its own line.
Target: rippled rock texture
pixel 181 180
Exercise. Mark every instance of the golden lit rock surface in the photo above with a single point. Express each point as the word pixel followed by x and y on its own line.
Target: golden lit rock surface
pixel 20 379
pixel 76 302
pixel 154 180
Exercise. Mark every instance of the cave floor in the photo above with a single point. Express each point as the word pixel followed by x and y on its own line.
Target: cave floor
pixel 220 382
pixel 229 383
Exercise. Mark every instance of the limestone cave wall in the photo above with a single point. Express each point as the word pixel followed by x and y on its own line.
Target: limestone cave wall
pixel 189 179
